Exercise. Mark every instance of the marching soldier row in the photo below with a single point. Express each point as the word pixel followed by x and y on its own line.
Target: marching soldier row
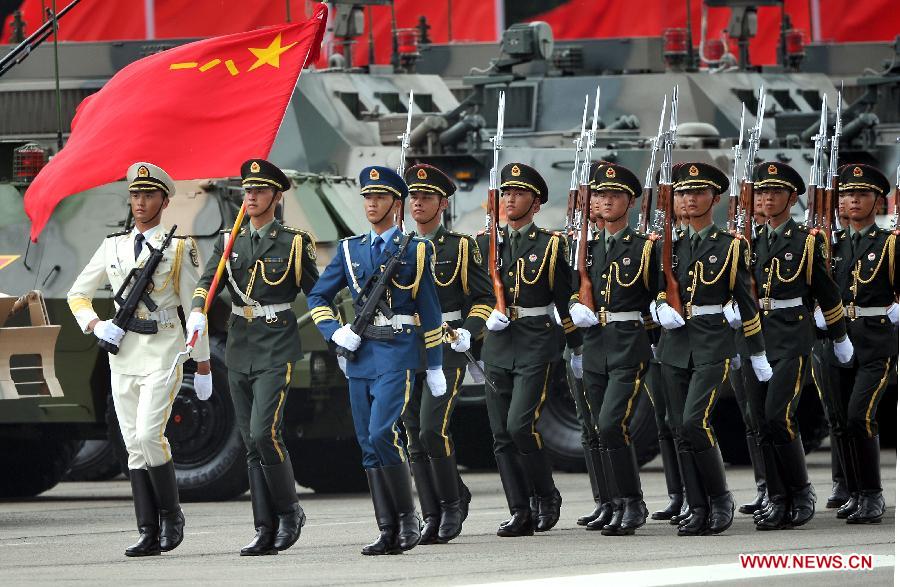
pixel 752 311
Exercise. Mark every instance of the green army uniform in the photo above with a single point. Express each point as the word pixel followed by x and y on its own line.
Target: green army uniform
pixel 466 299
pixel 617 351
pixel 744 384
pixel 712 268
pixel 790 271
pixel 866 271
pixel 518 359
pixel 266 271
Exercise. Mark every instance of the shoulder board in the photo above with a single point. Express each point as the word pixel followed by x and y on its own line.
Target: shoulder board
pixel 803 228
pixel 354 237
pixel 225 231
pixel 120 233
pixel 457 234
pixel 884 230
pixel 294 230
pixel 481 232
pixel 642 235
pixel 550 232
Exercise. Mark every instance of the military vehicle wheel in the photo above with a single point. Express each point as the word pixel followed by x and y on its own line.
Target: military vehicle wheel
pixel 34 459
pixel 561 431
pixel 328 465
pixel 96 461
pixel 210 458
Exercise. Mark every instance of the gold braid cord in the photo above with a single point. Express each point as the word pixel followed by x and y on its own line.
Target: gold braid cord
pixel 459 259
pixel 295 250
pixel 642 270
pixel 176 268
pixel 889 246
pixel 549 252
pixel 420 269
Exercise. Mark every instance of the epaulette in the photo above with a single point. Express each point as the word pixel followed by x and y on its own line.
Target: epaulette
pixel 550 232
pixel 294 230
pixel 456 234
pixel 481 232
pixel 225 231
pixel 355 236
pixel 120 233
pixel 642 235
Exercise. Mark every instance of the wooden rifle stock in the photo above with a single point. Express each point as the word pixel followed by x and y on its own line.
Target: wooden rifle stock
pixel 673 292
pixel 645 210
pixel 747 231
pixel 585 289
pixel 895 213
pixel 570 208
pixel 829 203
pixel 732 215
pixel 493 249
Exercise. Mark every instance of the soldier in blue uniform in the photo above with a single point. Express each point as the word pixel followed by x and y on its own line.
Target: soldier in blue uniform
pixel 387 352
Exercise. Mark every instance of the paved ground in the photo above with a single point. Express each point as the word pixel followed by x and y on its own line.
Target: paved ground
pixel 77 531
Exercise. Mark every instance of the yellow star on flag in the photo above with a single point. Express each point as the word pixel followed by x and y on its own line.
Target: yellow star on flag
pixel 269 55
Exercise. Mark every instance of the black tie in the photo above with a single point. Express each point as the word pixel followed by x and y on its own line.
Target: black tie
pixel 695 243
pixel 514 249
pixel 854 243
pixel 377 249
pixel 610 241
pixel 772 237
pixel 254 242
pixel 138 245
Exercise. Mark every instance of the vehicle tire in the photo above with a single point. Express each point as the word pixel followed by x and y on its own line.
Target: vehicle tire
pixel 96 461
pixel 34 459
pixel 328 465
pixel 561 431
pixel 210 458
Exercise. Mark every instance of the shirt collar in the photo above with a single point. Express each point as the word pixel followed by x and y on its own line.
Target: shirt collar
pixel 615 235
pixel 148 234
pixel 778 230
pixel 862 232
pixel 524 230
pixel 703 232
pixel 262 230
pixel 385 236
pixel 431 235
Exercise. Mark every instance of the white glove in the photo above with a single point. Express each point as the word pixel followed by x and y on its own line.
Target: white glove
pixel 761 367
pixel 463 341
pixel 653 350
pixel 196 322
pixel 733 315
pixel 496 321
pixel 653 313
pixel 668 317
pixel 582 316
pixel 576 362
pixel 106 330
pixel 893 312
pixel 477 376
pixel 436 381
pixel 203 386
pixel 556 316
pixel 346 338
pixel 736 363
pixel 819 317
pixel 342 363
pixel 843 350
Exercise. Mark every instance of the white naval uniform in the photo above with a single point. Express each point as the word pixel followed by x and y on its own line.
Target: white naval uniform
pixel 140 368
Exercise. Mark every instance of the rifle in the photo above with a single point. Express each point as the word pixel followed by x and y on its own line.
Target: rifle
pixel 745 219
pixel 659 213
pixel 492 221
pixel 21 51
pixel 665 195
pixel 573 183
pixel 831 196
pixel 371 298
pixel 404 145
pixel 895 215
pixel 816 183
pixel 644 216
pixel 140 279
pixel 733 195
pixel 583 217
pixel 450 335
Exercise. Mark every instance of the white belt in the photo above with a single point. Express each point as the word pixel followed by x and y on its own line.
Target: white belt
pixel 397 322
pixel 691 310
pixel 163 316
pixel 607 317
pixel 854 312
pixel 451 316
pixel 251 312
pixel 516 312
pixel 773 304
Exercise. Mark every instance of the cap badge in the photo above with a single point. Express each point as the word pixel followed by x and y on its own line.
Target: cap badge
pixel 421 174
pixel 373 174
pixel 693 171
pixel 773 170
pixel 857 172
pixel 515 171
pixel 254 167
pixel 143 171
pixel 610 172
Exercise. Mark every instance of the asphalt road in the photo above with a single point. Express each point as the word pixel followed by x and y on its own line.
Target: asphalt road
pixel 77 532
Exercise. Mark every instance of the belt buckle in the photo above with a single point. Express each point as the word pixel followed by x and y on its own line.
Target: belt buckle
pixel 602 317
pixel 142 315
pixel 688 312
pixel 851 312
pixel 248 312
pixel 766 304
pixel 513 313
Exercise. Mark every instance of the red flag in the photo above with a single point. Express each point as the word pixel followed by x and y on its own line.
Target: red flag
pixel 199 110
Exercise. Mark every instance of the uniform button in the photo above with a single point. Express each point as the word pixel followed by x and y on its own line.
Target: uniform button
pixel 512 289
pixel 603 293
pixel 766 269
pixel 690 272
pixel 800 317
pixel 510 273
pixel 689 288
pixel 766 313
pixel 882 320
pixel 766 285
pixel 603 276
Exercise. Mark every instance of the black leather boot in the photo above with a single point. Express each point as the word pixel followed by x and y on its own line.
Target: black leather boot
pixel 514 486
pixel 549 501
pixel 796 479
pixel 759 474
pixel 871 501
pixel 595 489
pixel 633 509
pixel 171 518
pixel 674 486
pixel 850 467
pixel 283 490
pixel 146 514
pixel 431 509
pixel 840 493
pixel 776 516
pixel 721 502
pixel 465 498
pixel 263 515
pixel 697 522
pixel 683 514
pixel 607 485
pixel 409 524
pixel 388 542
pixel 446 477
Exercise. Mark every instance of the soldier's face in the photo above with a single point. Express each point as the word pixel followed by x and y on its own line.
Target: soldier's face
pixel 378 206
pixel 424 207
pixel 858 205
pixel 613 204
pixel 519 203
pixel 678 200
pixel 698 202
pixel 260 200
pixel 775 201
pixel 146 206
pixel 594 208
